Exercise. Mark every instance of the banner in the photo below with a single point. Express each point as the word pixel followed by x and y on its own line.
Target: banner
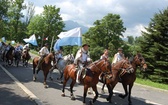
pixel 71 37
pixel 31 40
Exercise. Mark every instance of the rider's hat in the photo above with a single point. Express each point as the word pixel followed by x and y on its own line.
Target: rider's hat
pixel 85 45
pixel 120 49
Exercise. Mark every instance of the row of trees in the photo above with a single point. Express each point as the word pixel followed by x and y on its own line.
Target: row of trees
pixel 106 33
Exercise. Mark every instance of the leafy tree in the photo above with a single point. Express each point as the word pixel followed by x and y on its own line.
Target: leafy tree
pixel 14 17
pixel 130 39
pixel 47 24
pixel 106 33
pixel 4 5
pixel 155 46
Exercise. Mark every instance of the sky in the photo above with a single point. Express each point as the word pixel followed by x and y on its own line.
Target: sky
pixel 136 14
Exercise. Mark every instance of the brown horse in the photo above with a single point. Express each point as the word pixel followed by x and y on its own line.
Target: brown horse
pixel 113 78
pixel 9 56
pixel 26 57
pixel 90 80
pixel 45 67
pixel 129 79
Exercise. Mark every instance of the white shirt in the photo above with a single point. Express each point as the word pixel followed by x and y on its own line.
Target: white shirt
pixel 82 56
pixel 117 57
pixel 43 51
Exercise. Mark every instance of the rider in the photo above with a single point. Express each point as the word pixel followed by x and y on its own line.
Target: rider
pixel 43 53
pixel 58 55
pixel 104 56
pixel 18 48
pixel 118 56
pixel 25 48
pixel 7 48
pixel 81 60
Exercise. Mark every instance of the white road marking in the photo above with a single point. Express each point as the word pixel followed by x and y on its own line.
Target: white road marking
pixel 27 91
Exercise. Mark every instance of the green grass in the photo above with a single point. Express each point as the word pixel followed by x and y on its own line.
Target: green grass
pixel 34 52
pixel 152 84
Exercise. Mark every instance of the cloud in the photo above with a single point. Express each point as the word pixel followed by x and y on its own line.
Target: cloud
pixel 134 13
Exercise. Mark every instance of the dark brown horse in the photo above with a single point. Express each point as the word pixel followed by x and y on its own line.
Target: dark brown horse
pixel 45 67
pixel 26 57
pixel 9 56
pixel 129 79
pixel 113 78
pixel 90 80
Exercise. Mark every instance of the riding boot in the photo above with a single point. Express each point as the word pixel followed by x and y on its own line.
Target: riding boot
pixel 78 76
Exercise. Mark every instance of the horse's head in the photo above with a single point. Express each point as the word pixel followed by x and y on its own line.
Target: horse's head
pixel 103 65
pixel 139 60
pixel 123 64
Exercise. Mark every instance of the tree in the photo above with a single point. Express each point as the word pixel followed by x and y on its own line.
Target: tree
pixel 53 23
pixel 155 46
pixel 4 5
pixel 130 39
pixel 14 17
pixel 106 33
pixel 47 24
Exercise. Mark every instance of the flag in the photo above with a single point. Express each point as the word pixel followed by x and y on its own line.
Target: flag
pixel 31 40
pixel 71 37
pixel 39 37
pixel 3 39
pixel 12 42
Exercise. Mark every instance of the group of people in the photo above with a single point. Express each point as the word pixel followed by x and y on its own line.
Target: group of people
pixel 82 58
pixel 18 48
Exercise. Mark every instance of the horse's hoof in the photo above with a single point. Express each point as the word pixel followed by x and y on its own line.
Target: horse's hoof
pixel 73 98
pixel 63 94
pixel 34 79
pixel 45 86
pixel 89 92
pixel 84 103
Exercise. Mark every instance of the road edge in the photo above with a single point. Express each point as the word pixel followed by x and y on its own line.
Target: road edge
pixel 26 90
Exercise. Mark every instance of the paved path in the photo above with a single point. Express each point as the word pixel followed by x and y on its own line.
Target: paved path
pixel 23 90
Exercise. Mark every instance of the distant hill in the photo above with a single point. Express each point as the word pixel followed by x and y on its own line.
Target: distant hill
pixel 69 24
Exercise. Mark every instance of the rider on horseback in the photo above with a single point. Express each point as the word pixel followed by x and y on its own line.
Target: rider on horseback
pixel 81 60
pixel 25 48
pixel 118 56
pixel 43 53
pixel 7 48
pixel 18 49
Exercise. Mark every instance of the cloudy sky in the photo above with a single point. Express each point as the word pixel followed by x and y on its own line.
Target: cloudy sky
pixel 136 14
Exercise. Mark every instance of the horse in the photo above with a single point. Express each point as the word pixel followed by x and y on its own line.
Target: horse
pixel 45 66
pixel 129 79
pixel 9 56
pixel 68 59
pixel 17 56
pixel 112 79
pixel 92 73
pixel 26 57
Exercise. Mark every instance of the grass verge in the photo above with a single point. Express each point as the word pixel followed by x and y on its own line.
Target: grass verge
pixel 152 84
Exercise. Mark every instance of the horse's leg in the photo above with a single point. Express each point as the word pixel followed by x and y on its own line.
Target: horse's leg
pixel 102 89
pixel 96 95
pixel 71 89
pixel 126 91
pixel 50 73
pixel 129 95
pixel 85 94
pixel 45 78
pixel 34 74
pixel 66 78
pixel 110 90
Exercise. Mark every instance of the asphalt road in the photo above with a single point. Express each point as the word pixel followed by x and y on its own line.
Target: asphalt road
pixel 23 91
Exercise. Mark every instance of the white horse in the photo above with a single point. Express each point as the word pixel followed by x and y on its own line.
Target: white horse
pixel 68 59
